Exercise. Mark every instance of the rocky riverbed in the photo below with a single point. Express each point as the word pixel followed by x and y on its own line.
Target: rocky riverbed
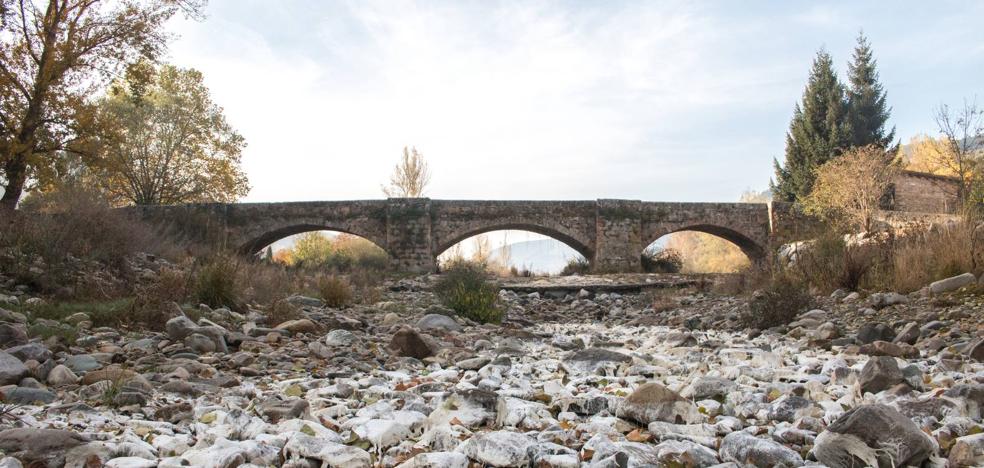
pixel 589 379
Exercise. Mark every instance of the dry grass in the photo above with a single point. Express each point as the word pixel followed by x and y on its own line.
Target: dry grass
pixel 920 259
pixel 335 291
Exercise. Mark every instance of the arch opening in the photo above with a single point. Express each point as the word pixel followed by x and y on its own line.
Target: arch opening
pixel 322 249
pixel 513 252
pixel 701 249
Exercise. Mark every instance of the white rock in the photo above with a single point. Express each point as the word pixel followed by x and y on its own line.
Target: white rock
pixel 332 454
pixel 436 460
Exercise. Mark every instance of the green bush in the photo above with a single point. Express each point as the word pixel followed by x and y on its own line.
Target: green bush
pixel 467 289
pixel 778 304
pixel 216 283
pixel 335 291
pixel 661 261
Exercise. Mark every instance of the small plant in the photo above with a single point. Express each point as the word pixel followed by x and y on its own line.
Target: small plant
pixel 778 304
pixel 216 283
pixel 282 311
pixel 335 291
pixel 466 288
pixel 661 261
pixel 576 266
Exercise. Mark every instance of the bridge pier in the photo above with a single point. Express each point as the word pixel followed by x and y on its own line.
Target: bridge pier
pixel 618 237
pixel 408 235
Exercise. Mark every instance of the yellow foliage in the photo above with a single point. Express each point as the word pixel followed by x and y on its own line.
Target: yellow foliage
pixel 928 155
pixel 706 253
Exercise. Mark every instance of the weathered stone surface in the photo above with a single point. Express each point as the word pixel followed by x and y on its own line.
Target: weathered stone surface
pixel 873 435
pixel 438 322
pixel 968 451
pixel 409 343
pixel 499 448
pixel 653 402
pixel 880 373
pixel 871 332
pixel 11 369
pixel 953 283
pixel 745 449
pixel 46 447
pixel 594 359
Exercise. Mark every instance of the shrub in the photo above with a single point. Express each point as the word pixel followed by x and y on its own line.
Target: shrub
pixel 661 261
pixel 778 304
pixel 335 291
pixel 154 302
pixel 50 242
pixel 919 259
pixel 576 266
pixel 281 311
pixel 829 263
pixel 467 289
pixel 216 283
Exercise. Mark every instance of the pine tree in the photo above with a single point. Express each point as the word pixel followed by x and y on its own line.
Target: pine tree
pixel 866 99
pixel 820 129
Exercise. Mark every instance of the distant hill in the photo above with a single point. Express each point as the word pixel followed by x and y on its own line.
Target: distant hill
pixel 540 256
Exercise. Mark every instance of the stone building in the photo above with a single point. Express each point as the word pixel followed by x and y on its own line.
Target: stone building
pixel 922 192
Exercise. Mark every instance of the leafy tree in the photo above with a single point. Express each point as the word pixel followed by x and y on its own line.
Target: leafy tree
pixel 53 56
pixel 849 189
pixel 410 177
pixel 866 99
pixel 167 142
pixel 818 132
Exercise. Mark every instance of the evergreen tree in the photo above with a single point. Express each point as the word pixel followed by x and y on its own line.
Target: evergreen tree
pixel 819 131
pixel 866 100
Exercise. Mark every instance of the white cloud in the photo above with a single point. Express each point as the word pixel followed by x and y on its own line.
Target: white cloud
pixel 506 100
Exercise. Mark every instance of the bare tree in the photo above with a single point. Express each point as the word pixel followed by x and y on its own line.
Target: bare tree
pixel 961 143
pixel 410 177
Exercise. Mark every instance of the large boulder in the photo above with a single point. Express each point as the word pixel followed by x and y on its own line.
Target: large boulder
pixel 875 331
pixel 952 284
pixel 408 343
pixel 880 373
pixel 499 448
pixel 12 334
pixel 968 451
pixel 438 322
pixel 11 369
pixel 873 435
pixel 29 351
pixel 591 360
pixel 653 402
pixel 39 447
pixel 745 449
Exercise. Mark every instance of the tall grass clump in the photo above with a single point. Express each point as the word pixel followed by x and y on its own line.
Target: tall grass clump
pixel 778 303
pixel 334 290
pixel 216 283
pixel 467 288
pixel 919 259
pixel 831 262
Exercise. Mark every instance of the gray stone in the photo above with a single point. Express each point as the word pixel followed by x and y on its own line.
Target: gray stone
pixel 409 343
pixel 874 331
pixel 11 369
pixel 880 373
pixel 499 448
pixel 61 375
pixel 712 387
pixel 28 396
pixel 873 435
pixel 330 452
pixel 200 343
pixel 654 402
pixel 29 351
pixel 178 328
pixel 82 363
pixel 968 451
pixel 594 359
pixel 340 338
pixel 909 334
pixel 438 322
pixel 12 335
pixel 952 284
pixel 745 449
pixel 46 447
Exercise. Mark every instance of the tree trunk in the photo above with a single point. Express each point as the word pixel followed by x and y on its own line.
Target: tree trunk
pixel 15 171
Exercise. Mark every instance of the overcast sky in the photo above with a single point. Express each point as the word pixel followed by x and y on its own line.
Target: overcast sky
pixel 677 101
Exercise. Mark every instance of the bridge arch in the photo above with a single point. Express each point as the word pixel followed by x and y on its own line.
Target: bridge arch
pixel 254 245
pixel 449 240
pixel 752 249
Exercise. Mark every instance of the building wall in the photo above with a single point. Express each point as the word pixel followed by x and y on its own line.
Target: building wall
pixel 924 193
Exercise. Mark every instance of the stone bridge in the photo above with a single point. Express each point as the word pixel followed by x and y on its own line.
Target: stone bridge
pixel 611 234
